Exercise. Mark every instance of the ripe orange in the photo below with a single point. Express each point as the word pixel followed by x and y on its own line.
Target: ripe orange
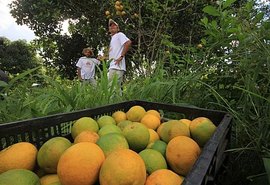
pixel 150 121
pixel 123 167
pixel 186 121
pixel 80 164
pixel 87 136
pixel 181 153
pixel 164 177
pixel 153 136
pixel 154 112
pixel 119 116
pixel 18 156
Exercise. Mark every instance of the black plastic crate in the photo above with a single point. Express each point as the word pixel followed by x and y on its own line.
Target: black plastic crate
pixel 204 171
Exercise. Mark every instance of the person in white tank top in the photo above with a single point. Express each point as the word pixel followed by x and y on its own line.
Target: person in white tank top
pixel 119 46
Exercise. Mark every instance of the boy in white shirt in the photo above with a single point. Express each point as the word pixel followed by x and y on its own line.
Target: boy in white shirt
pixel 86 66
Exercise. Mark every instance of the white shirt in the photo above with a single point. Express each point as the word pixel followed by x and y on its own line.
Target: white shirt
pixel 116 47
pixel 87 66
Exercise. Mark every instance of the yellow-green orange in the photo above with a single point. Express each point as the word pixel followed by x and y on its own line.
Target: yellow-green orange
pixel 159 146
pixel 49 179
pixel 50 152
pixel 107 129
pixel 137 135
pixel 18 156
pixel 112 142
pixel 171 129
pixel 119 116
pixel 150 121
pixel 153 136
pixel 123 167
pixel 105 120
pixel 135 113
pixel 83 124
pixel 87 136
pixel 164 177
pixel 124 123
pixel 153 160
pixel 19 177
pixel 80 164
pixel 201 130
pixel 181 153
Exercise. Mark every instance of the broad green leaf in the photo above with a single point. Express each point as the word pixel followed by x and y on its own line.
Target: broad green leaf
pixel 204 21
pixel 214 24
pixel 228 3
pixel 211 11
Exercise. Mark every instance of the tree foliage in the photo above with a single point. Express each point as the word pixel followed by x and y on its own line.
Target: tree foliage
pixel 154 26
pixel 17 56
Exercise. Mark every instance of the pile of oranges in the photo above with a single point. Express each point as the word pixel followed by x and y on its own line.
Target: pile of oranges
pixel 136 147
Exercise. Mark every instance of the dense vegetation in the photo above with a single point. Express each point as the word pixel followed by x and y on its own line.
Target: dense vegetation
pixel 210 54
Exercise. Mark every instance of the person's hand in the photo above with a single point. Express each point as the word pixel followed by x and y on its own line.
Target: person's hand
pixel 117 61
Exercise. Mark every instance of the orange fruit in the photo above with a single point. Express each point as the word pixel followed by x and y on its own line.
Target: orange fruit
pixel 119 116
pixel 159 146
pixel 153 160
pixel 201 130
pixel 107 12
pixel 82 124
pixel 111 142
pixel 49 179
pixel 154 112
pixel 117 3
pixel 171 129
pixel 135 113
pixel 123 167
pixel 107 129
pixel 181 153
pixel 164 177
pixel 19 177
pixel 150 121
pixel 137 135
pixel 153 136
pixel 18 156
pixel 186 121
pixel 105 120
pixel 123 124
pixel 80 164
pixel 87 136
pixel 50 152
